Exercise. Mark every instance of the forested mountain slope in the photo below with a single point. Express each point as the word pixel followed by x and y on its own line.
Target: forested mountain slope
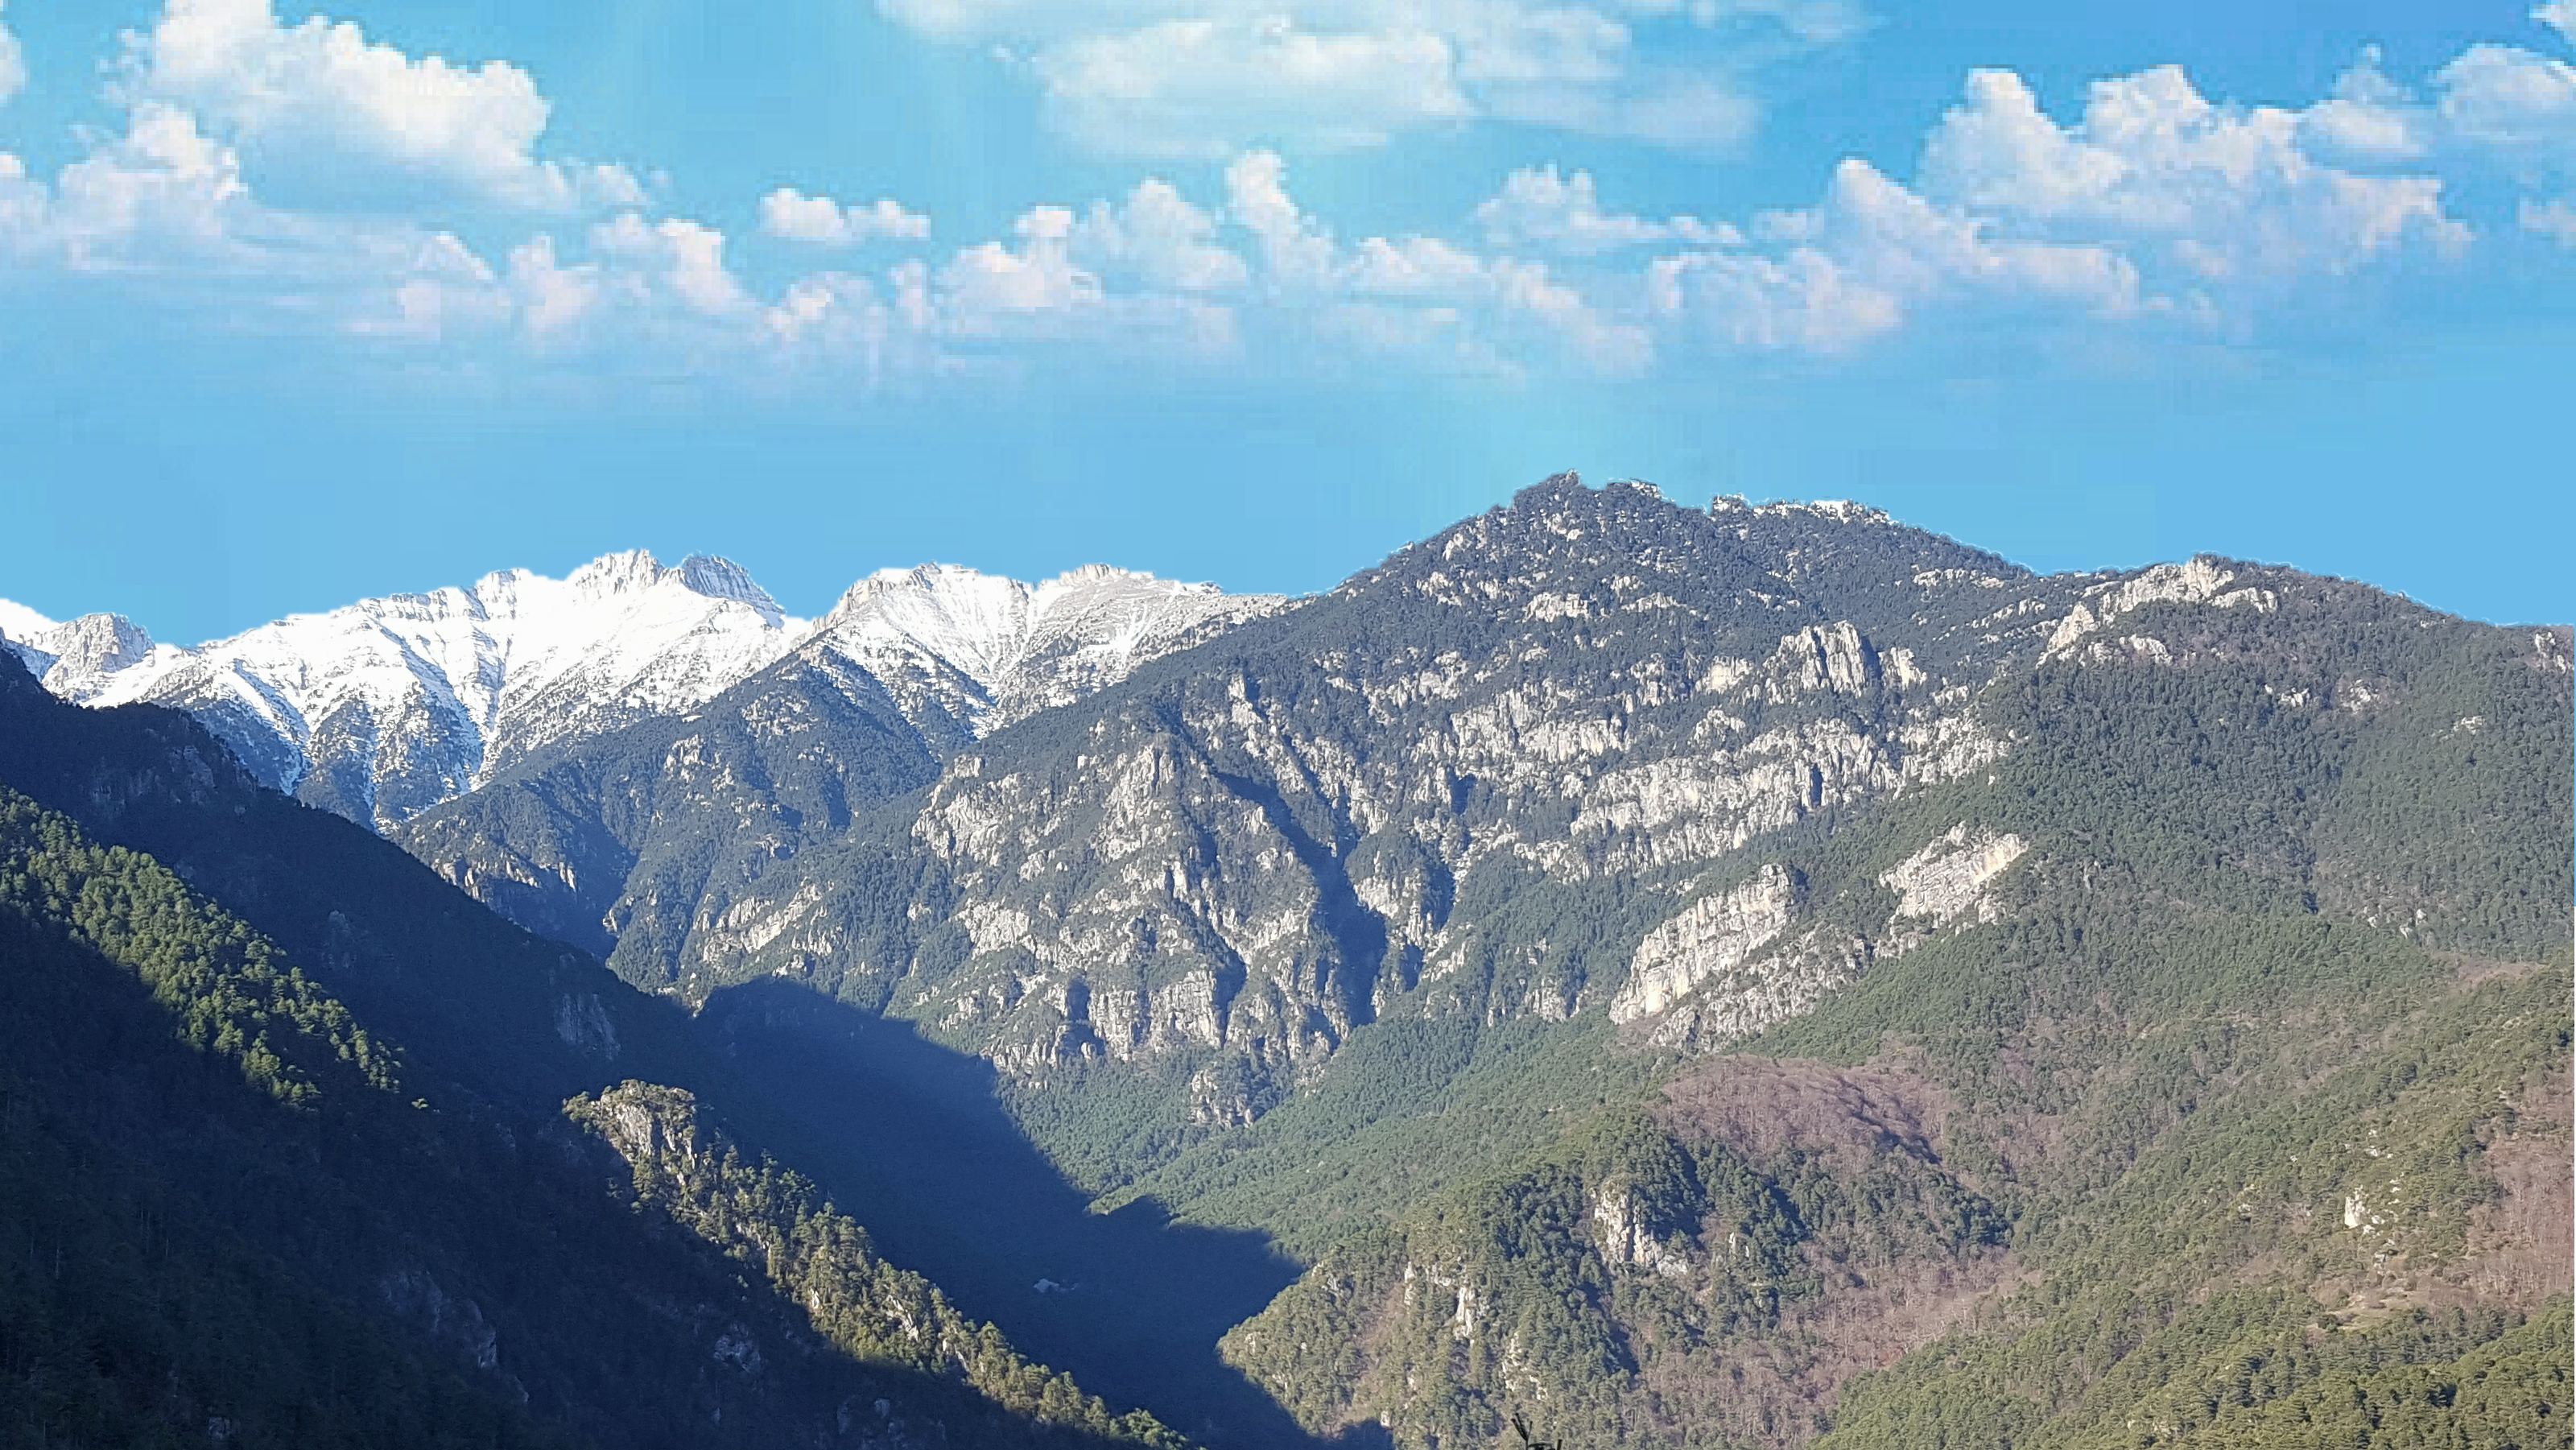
pixel 1296 926
pixel 2208 1083
pixel 1688 977
pixel 1453 792
pixel 257 1210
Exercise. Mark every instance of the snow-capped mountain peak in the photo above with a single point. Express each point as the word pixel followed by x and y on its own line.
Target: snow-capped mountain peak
pixel 972 651
pixel 72 655
pixel 384 708
pixel 721 578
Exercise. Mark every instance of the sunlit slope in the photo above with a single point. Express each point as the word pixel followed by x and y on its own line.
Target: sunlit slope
pixel 2205 1074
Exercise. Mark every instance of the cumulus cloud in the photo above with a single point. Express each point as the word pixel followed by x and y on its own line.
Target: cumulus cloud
pixel 791 215
pixel 1537 208
pixel 331 116
pixel 1157 235
pixel 2155 204
pixel 1851 270
pixel 1205 79
pixel 2496 114
pixel 2152 209
pixel 1206 88
pixel 2559 15
pixel 1297 252
pixel 2519 106
pixel 2223 194
pixel 1422 296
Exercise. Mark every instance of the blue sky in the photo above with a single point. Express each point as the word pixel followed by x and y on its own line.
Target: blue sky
pixel 303 307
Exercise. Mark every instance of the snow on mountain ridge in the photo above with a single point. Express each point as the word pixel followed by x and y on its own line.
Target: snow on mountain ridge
pixel 383 708
pixel 386 707
pixel 71 651
pixel 18 622
pixel 966 653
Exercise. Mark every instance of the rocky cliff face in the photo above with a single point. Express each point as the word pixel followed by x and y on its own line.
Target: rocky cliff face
pixel 657 842
pixel 1533 769
pixel 1346 810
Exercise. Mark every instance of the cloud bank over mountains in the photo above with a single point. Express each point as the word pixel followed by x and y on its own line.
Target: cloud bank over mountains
pixel 305 179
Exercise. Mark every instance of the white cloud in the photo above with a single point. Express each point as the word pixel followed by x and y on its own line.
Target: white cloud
pixel 1204 79
pixel 323 111
pixel 680 259
pixel 1540 209
pixel 991 281
pixel 1161 238
pixel 2155 209
pixel 1853 268
pixel 791 215
pixel 1803 300
pixel 1037 295
pixel 2370 119
pixel 1297 252
pixel 2517 105
pixel 2497 113
pixel 1207 88
pixel 2227 195
pixel 13 65
pixel 1423 296
pixel 2156 204
pixel 2559 15
pixel 2496 106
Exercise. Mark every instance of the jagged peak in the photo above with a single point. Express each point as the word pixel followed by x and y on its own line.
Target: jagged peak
pixel 504 579
pixel 630 571
pixel 113 632
pixel 717 577
pixel 617 573
pixel 87 649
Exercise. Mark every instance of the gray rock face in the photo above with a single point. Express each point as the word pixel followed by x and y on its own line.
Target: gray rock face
pixel 1215 871
pixel 657 842
pixel 1524 771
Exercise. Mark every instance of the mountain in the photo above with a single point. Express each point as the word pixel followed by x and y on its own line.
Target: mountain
pixel 385 708
pixel 964 653
pixel 1436 794
pixel 1473 802
pixel 1682 977
pixel 2208 1083
pixel 630 843
pixel 314 1179
pixel 1432 926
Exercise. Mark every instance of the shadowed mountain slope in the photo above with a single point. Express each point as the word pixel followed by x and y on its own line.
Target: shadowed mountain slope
pixel 492 1030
